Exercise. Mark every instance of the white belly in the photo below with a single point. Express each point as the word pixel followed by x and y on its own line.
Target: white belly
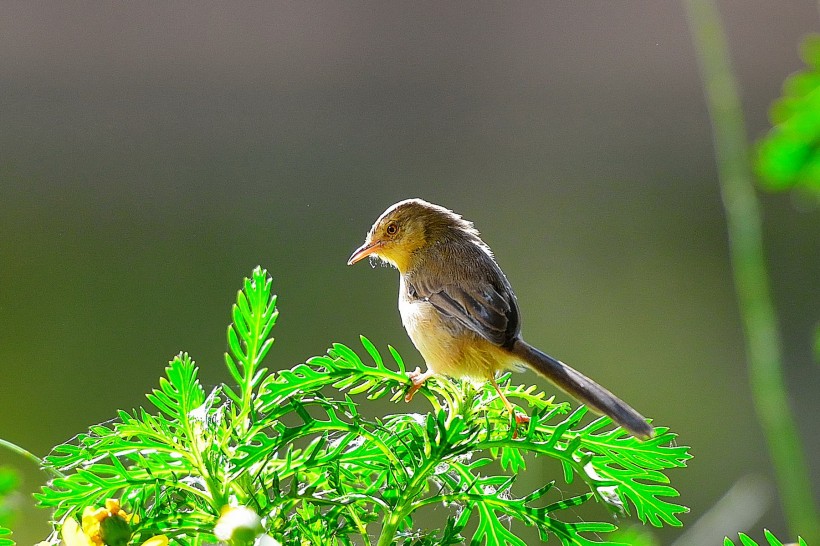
pixel 448 347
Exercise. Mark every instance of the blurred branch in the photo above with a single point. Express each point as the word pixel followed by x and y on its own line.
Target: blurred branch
pixel 740 508
pixel 749 269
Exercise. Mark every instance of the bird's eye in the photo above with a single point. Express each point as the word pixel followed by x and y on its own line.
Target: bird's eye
pixel 391 229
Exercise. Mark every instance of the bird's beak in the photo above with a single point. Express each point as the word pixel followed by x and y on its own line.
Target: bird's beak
pixel 364 251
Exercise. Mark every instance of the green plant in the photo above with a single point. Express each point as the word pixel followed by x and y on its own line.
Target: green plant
pixel 788 157
pixel 294 447
pixel 5 537
pixel 9 483
pixel 770 539
pixel 745 232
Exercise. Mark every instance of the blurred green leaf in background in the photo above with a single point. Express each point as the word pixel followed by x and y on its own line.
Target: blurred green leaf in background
pixel 771 540
pixel 788 157
pixel 9 482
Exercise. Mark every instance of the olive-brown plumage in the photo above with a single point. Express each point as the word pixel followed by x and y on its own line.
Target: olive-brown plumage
pixel 460 311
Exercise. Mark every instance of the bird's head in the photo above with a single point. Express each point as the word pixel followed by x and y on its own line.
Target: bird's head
pixel 410 227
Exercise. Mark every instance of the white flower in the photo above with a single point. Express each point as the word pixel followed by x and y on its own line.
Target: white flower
pixel 238 524
pixel 266 540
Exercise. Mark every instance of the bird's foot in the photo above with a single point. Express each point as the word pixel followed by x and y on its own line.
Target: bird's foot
pixel 418 378
pixel 521 419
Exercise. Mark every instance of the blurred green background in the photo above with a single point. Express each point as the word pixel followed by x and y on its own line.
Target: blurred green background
pixel 151 155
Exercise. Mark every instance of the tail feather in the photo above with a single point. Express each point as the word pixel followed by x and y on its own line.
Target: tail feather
pixel 584 389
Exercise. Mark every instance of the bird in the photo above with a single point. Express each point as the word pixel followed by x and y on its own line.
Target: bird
pixel 461 312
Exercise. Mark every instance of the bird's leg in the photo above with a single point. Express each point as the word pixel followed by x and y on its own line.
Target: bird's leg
pixel 418 380
pixel 520 418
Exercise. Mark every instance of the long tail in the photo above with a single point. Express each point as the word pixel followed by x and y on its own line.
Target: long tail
pixel 584 389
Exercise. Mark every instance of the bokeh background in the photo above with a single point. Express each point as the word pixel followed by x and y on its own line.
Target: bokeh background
pixel 151 155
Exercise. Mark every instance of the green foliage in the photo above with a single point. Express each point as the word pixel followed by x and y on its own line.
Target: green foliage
pixel 789 156
pixel 5 537
pixel 770 539
pixel 9 482
pixel 636 535
pixel 296 447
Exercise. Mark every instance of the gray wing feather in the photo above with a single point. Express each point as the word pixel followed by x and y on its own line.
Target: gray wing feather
pixel 485 312
pixel 488 310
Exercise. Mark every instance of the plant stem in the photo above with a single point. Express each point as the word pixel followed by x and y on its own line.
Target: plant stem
pixel 757 312
pixel 25 454
pixel 394 519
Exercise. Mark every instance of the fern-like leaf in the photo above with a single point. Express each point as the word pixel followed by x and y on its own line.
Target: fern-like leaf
pixel 771 540
pixel 180 393
pixel 293 446
pixel 254 315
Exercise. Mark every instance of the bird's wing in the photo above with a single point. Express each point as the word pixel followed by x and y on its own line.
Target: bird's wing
pixel 482 308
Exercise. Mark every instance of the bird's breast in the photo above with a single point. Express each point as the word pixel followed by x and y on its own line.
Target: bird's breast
pixel 424 325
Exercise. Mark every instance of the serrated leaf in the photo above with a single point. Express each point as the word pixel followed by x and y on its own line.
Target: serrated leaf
pixel 773 541
pixel 253 316
pixel 745 540
pixel 491 531
pixel 512 460
pixel 181 392
pixel 5 537
pixel 397 359
pixel 372 351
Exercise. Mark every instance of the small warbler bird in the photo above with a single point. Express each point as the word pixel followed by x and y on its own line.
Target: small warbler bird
pixel 460 311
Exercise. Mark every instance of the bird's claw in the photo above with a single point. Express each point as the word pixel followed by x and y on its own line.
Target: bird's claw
pixel 418 378
pixel 521 419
